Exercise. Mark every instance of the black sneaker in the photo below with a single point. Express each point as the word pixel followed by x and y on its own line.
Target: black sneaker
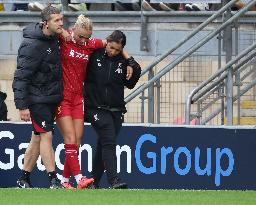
pixel 117 184
pixel 24 183
pixel 55 184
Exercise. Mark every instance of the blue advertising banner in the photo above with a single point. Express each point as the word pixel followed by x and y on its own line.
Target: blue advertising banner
pixel 150 157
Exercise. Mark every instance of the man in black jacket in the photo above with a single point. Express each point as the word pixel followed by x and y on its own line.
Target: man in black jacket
pixel 37 88
pixel 107 75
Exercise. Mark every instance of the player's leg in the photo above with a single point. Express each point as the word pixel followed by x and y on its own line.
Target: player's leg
pixel 77 114
pixel 118 119
pixel 71 164
pixel 97 165
pixel 79 130
pixel 65 125
pixel 32 152
pixel 104 125
pixel 48 158
pixel 67 129
pixel 47 152
pixel 78 123
pixel 42 116
pixel 30 157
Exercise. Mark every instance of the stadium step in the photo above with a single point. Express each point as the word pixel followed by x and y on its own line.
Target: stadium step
pixel 248 105
pixel 243 120
pixel 248 109
pixel 248 114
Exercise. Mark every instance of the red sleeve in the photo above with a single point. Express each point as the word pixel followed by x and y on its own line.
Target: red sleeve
pixel 96 43
pixel 61 38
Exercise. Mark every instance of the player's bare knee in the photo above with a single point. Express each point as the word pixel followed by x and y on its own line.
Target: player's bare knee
pixel 70 138
pixel 46 136
pixel 35 138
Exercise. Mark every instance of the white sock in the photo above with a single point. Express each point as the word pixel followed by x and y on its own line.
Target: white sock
pixel 64 179
pixel 78 177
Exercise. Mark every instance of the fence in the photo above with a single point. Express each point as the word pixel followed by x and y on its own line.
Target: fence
pixel 164 29
pixel 179 82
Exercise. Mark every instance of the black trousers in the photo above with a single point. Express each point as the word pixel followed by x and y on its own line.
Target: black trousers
pixel 107 125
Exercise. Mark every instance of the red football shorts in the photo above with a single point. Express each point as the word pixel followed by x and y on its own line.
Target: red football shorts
pixel 72 105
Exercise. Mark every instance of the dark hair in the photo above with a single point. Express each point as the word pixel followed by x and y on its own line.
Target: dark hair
pixel 118 37
pixel 48 11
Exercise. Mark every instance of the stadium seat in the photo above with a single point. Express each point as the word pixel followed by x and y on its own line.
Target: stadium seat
pixel 181 121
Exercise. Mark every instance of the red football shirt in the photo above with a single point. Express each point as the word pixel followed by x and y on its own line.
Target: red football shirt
pixel 74 59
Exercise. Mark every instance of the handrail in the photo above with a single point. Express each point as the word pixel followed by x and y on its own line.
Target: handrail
pixel 211 78
pixel 246 74
pixel 221 70
pixel 222 77
pixel 188 52
pixel 214 114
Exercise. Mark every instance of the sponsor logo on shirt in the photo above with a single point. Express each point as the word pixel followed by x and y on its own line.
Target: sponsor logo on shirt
pixel 99 64
pixel 76 54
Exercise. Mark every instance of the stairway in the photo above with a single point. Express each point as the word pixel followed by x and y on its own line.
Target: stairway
pixel 248 114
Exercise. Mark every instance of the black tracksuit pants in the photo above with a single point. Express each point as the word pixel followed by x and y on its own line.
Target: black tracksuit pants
pixel 107 125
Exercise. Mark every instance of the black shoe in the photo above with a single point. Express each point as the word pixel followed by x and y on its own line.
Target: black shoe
pixel 55 184
pixel 24 183
pixel 117 184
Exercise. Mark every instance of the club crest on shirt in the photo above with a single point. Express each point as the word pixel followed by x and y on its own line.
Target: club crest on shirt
pixel 119 69
pixel 96 117
pixel 49 51
pixel 76 54
pixel 43 124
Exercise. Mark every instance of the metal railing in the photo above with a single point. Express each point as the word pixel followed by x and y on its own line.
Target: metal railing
pixel 155 78
pixel 216 82
pixel 165 100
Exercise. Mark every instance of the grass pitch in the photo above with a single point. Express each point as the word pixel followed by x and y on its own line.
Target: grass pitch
pixel 16 196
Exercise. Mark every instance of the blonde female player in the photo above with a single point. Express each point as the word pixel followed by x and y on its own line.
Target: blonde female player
pixel 69 115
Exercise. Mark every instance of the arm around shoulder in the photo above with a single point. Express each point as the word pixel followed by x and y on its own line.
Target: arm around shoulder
pixel 136 73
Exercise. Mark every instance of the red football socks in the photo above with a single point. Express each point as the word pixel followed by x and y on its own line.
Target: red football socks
pixel 71 165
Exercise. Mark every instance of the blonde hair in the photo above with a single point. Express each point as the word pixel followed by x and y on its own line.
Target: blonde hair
pixel 83 22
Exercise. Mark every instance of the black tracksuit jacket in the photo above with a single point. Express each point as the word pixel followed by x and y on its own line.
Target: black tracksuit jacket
pixel 38 78
pixel 105 81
